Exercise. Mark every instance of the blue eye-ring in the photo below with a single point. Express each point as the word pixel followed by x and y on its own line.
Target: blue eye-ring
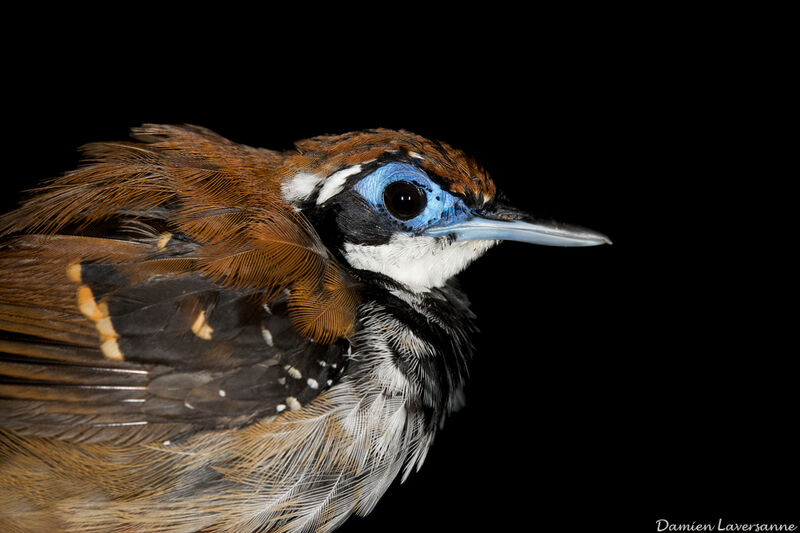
pixel 407 195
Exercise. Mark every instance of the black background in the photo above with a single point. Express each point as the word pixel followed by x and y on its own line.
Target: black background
pixel 613 386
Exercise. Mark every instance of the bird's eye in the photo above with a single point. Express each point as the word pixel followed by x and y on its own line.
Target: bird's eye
pixel 404 200
pixel 406 195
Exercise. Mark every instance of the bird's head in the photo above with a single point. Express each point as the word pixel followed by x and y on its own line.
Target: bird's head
pixel 405 208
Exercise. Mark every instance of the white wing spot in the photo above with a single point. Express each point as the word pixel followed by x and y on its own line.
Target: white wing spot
pixel 267 336
pixel 222 393
pixel 201 327
pixel 74 272
pixel 312 383
pixel 293 372
pixel 280 407
pixel 293 404
pixel 163 239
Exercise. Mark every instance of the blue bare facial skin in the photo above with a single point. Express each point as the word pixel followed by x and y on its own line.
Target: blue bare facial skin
pixel 434 207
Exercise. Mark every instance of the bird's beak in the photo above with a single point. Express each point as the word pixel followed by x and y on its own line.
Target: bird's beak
pixel 509 224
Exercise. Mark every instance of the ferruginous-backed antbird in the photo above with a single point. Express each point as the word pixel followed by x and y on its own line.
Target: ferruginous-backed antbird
pixel 198 335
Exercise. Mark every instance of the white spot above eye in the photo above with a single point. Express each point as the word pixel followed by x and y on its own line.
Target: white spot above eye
pixel 414 155
pixel 335 183
pixel 300 186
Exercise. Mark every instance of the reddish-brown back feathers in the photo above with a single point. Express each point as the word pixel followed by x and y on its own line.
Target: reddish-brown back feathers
pixel 224 196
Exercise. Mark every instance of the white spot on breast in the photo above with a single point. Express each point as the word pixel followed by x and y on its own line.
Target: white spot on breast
pixel 293 372
pixel 312 383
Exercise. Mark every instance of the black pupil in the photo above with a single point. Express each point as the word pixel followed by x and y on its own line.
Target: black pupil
pixel 404 200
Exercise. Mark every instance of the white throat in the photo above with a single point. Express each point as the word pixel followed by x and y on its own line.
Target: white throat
pixel 421 263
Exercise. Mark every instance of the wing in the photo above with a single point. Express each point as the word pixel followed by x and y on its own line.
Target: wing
pixel 165 289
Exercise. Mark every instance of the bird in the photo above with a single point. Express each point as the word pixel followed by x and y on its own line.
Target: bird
pixel 200 335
